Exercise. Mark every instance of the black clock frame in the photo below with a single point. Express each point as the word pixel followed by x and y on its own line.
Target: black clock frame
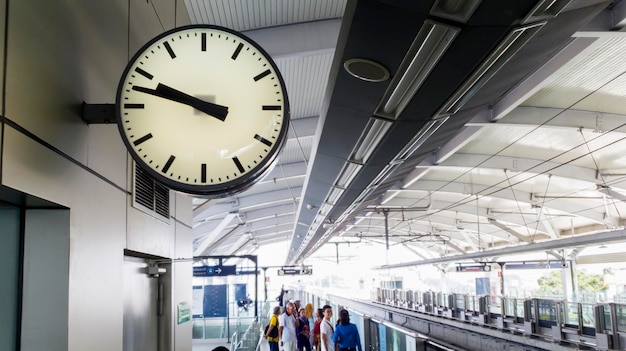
pixel 238 184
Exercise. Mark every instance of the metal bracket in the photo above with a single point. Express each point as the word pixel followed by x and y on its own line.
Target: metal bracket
pixel 98 113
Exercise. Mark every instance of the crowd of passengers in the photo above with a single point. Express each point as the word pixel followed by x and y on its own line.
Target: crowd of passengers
pixel 293 326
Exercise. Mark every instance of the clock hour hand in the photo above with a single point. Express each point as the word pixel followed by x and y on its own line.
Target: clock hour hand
pixel 218 111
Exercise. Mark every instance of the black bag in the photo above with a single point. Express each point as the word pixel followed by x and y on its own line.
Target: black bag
pixel 273 333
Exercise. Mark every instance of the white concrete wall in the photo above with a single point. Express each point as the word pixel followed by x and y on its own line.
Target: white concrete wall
pixel 59 54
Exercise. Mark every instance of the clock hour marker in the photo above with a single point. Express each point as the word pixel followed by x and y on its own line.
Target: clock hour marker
pixel 142 139
pixel 271 107
pixel 133 105
pixel 203 40
pixel 203 173
pixel 263 140
pixel 238 164
pixel 144 73
pixel 262 75
pixel 168 164
pixel 237 51
pixel 169 49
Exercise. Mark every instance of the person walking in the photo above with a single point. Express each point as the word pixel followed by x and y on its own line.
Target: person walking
pixel 327 330
pixel 281 296
pixel 304 332
pixel 287 329
pixel 316 328
pixel 273 341
pixel 346 334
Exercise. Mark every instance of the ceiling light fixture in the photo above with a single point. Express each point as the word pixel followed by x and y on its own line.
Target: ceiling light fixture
pixel 431 42
pixel 545 9
pixel 496 60
pixel 422 135
pixel 348 173
pixel 372 135
pixel 455 10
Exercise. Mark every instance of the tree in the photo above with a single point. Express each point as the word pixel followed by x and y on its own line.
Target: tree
pixel 553 283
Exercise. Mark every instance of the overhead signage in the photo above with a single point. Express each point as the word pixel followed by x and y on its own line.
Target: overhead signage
pixel 214 271
pixel 474 268
pixel 301 270
pixel 537 265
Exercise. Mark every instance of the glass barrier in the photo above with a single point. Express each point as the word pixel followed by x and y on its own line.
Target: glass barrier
pixel 547 310
pixel 460 301
pixel 608 325
pixel 495 306
pixel 589 320
pixel 237 321
pixel 620 310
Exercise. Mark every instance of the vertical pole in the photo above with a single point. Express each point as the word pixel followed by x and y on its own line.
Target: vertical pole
pixel 256 288
pixel 265 281
pixel 337 252
pixel 386 213
pixel 501 264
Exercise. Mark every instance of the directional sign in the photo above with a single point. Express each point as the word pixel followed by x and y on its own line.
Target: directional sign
pixel 306 270
pixel 474 268
pixel 537 265
pixel 214 271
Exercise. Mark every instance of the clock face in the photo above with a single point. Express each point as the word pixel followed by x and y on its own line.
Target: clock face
pixel 203 109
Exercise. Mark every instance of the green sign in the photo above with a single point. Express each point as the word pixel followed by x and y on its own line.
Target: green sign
pixel 184 312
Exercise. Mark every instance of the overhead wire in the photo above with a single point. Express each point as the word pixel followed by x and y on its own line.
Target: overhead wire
pixel 598 170
pixel 469 198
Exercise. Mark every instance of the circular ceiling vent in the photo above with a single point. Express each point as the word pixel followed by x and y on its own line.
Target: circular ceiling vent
pixel 366 70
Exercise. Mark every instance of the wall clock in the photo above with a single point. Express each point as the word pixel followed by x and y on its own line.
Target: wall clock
pixel 203 109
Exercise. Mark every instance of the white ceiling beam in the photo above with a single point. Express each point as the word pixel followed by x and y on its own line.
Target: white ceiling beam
pixel 266 212
pixel 199 251
pixel 594 213
pixel 531 167
pixel 240 244
pixel 575 51
pixel 283 171
pixel 469 240
pixel 302 127
pixel 212 209
pixel 455 144
pixel 302 39
pixel 245 203
pixel 565 119
pixel 583 240
pixel 457 248
pixel 225 237
pixel 541 214
pixel 414 251
pixel 510 230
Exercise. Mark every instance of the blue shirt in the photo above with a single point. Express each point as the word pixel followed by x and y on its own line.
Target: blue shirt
pixel 347 336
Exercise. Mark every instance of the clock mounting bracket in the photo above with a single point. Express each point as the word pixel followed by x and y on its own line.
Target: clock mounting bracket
pixel 98 113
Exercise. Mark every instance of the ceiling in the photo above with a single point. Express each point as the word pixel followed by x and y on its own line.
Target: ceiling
pixel 509 139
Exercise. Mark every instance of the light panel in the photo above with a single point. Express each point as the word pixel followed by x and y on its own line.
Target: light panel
pixel 373 134
pixel 496 60
pixel 431 42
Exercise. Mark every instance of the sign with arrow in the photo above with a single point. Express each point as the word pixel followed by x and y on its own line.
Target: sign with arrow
pixel 304 270
pixel 214 271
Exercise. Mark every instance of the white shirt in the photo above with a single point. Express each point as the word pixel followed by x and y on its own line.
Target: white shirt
pixel 327 328
pixel 288 323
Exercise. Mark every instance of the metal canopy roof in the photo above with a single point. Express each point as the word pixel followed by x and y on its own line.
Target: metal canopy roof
pixel 513 137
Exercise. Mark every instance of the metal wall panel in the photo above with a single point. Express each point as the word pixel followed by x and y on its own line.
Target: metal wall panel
pixel 2 48
pixel 46 280
pixel 140 307
pixel 9 275
pixel 59 54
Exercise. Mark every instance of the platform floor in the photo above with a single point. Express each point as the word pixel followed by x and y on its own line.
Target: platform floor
pixel 209 346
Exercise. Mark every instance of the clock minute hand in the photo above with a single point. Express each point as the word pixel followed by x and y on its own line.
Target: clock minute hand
pixel 218 111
